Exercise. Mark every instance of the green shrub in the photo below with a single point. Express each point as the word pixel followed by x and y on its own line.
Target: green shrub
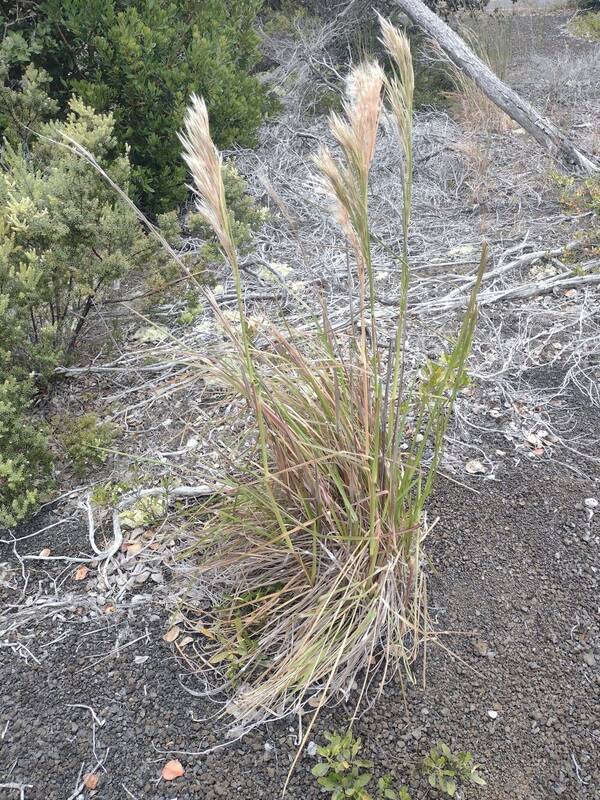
pixel 581 196
pixel 64 236
pixel 64 240
pixel 86 441
pixel 141 59
pixel 24 457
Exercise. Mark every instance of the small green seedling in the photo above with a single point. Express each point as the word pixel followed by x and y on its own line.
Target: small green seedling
pixel 386 792
pixel 446 770
pixel 344 774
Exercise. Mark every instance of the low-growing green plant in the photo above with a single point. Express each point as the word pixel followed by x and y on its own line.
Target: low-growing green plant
pixel 145 512
pixel 344 774
pixel 448 771
pixel 586 25
pixel 24 456
pixel 341 771
pixel 87 441
pixel 578 195
pixel 329 519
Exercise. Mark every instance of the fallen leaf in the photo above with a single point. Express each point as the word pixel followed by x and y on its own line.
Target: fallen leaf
pixel 82 573
pixel 45 552
pixel 204 631
pixel 133 549
pixel 533 439
pixel 538 451
pixel 480 647
pixel 172 633
pixel 185 641
pixel 90 781
pixel 570 293
pixel 171 770
pixel 475 467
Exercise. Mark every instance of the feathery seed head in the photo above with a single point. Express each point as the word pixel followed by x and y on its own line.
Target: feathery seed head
pixel 400 90
pixel 397 45
pixel 356 132
pixel 362 108
pixel 205 165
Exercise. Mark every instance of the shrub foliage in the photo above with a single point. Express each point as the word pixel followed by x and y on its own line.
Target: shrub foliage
pixel 65 236
pixel 140 60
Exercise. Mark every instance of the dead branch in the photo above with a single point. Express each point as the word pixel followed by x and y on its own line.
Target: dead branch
pixel 553 140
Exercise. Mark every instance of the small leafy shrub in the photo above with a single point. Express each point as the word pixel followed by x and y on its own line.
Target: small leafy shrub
pixel 86 441
pixel 447 771
pixel 64 237
pixel 586 25
pixel 139 60
pixel 144 513
pixel 24 456
pixel 344 774
pixel 285 18
pixel 578 195
pixel 581 196
pixel 193 309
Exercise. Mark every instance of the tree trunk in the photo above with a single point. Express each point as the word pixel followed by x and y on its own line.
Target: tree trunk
pixel 543 131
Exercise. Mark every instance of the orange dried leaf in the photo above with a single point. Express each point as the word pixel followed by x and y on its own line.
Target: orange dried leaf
pixel 90 781
pixel 81 573
pixel 171 770
pixel 45 552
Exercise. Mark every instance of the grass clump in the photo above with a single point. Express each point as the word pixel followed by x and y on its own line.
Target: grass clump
pixel 490 38
pixel 318 546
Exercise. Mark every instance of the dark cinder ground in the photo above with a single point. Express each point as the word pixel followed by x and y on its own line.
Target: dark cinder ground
pixel 514 568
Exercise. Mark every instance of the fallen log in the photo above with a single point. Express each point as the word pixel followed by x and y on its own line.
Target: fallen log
pixel 551 138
